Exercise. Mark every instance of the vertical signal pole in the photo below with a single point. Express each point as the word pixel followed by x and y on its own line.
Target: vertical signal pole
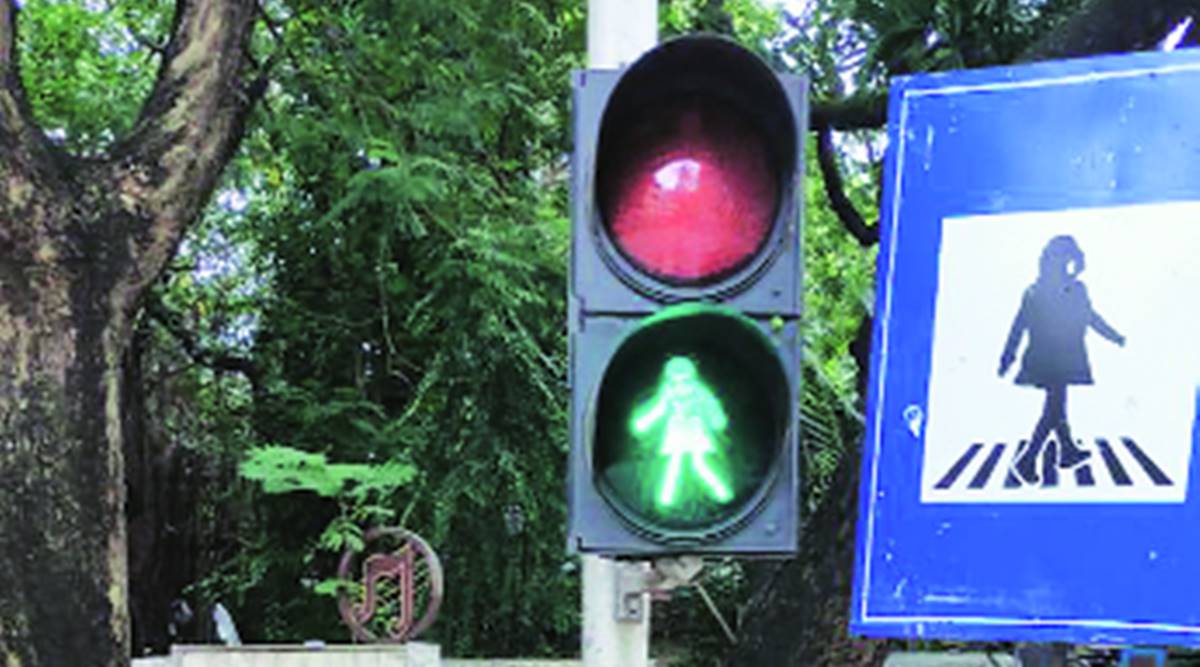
pixel 618 32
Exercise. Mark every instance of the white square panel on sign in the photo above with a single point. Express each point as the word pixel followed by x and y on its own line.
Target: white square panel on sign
pixel 1135 419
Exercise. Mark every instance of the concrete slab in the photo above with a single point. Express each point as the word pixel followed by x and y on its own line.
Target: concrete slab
pixel 509 662
pixel 413 654
pixel 932 659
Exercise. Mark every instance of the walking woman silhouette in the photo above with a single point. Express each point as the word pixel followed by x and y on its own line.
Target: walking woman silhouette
pixel 1057 312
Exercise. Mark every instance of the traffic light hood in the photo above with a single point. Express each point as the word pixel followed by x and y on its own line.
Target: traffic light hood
pixel 713 68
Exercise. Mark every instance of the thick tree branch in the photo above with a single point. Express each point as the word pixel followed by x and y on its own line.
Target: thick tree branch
pixel 217 361
pixel 8 19
pixel 167 167
pixel 10 114
pixel 149 44
pixel 835 189
pixel 860 112
pixel 15 123
pixel 22 147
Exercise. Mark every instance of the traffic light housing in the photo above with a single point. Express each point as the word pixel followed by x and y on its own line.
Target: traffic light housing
pixel 684 304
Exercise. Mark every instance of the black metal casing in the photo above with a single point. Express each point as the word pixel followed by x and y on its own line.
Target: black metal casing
pixel 608 297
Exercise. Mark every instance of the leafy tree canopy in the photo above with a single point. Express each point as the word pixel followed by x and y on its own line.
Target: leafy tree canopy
pixel 375 297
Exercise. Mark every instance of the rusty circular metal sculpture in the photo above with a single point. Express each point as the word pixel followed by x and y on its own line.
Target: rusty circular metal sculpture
pixel 400 590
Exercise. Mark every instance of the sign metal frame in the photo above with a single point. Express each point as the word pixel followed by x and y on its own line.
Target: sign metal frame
pixel 1081 573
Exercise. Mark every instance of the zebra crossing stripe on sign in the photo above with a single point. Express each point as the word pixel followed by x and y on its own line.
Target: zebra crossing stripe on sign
pixel 989 474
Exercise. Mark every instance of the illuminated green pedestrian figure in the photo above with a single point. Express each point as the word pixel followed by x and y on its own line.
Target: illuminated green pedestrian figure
pixel 692 415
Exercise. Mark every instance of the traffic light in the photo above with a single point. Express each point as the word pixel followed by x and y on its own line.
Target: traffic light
pixel 684 304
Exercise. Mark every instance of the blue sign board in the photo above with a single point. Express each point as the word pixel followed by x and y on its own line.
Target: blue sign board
pixel 1028 467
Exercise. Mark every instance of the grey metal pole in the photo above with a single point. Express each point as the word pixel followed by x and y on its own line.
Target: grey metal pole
pixel 1042 655
pixel 618 31
pixel 616 628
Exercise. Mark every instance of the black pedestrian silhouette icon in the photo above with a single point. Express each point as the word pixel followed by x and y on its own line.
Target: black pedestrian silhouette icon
pixel 1056 312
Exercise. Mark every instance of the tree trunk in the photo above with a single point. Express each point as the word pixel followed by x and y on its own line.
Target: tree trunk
pixel 161 508
pixel 62 538
pixel 173 531
pixel 800 613
pixel 80 240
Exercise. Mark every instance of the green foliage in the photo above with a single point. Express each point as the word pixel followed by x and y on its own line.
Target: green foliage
pixel 866 41
pixel 838 272
pixel 750 22
pixel 830 427
pixel 284 470
pixel 365 493
pixel 922 35
pixel 88 65
pixel 405 198
pixel 387 256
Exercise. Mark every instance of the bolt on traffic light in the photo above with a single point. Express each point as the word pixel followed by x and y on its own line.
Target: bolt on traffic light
pixel 684 304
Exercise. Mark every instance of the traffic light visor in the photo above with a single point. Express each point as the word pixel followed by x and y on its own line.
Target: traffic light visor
pixel 693 150
pixel 689 422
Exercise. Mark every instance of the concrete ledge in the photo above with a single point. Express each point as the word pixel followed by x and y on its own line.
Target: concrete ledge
pixel 413 654
pixel 932 659
pixel 509 662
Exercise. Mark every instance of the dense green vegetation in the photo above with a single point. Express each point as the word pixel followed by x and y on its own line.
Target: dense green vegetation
pixel 367 324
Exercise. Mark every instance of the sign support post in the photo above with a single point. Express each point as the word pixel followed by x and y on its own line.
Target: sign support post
pixel 1045 655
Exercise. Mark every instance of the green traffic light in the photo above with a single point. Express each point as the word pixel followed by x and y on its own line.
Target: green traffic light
pixel 689 420
pixel 689 414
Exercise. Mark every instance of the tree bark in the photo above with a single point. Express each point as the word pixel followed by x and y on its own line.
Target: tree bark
pixel 173 534
pixel 80 240
pixel 162 508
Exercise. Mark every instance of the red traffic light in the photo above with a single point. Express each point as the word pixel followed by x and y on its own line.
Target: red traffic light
pixel 695 196
pixel 695 156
